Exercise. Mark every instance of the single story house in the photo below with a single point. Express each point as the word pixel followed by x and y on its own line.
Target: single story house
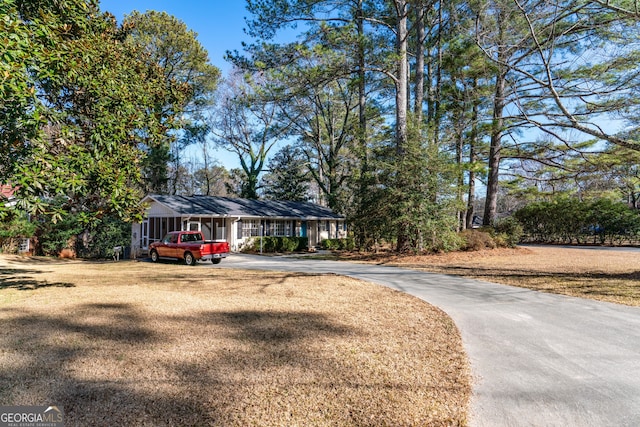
pixel 235 220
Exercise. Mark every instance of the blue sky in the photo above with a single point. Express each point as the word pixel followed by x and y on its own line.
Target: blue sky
pixel 219 23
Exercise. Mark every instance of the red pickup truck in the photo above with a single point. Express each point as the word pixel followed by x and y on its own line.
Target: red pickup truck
pixel 188 246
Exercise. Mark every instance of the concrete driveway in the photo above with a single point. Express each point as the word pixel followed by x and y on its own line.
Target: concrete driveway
pixel 537 359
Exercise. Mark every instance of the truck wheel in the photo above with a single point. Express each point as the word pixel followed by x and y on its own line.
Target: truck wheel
pixel 189 258
pixel 154 256
pixel 216 260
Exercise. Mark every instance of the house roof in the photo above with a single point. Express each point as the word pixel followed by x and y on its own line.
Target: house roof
pixel 227 206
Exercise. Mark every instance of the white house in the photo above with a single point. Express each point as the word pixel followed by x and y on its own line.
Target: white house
pixel 234 220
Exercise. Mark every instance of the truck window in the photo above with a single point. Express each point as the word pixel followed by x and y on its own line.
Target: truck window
pixel 191 237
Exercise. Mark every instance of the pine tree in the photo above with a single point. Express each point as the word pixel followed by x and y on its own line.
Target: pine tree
pixel 288 176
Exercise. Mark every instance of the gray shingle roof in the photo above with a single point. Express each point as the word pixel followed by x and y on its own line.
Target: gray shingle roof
pixel 227 206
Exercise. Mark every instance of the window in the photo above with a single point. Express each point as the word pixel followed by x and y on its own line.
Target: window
pixel 250 228
pixel 196 237
pixel 278 228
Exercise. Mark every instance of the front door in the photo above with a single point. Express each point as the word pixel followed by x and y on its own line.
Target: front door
pixel 144 236
pixel 312 233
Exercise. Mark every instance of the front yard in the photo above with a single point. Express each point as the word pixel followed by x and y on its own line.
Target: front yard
pixel 135 343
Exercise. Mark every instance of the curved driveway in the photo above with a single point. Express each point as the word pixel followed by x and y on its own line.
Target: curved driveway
pixel 537 359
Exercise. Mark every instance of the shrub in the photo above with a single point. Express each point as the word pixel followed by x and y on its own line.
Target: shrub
pixel 54 237
pixel 476 240
pixel 442 240
pixel 303 243
pixel 272 244
pixel 18 226
pixel 293 244
pixel 13 230
pixel 509 231
pixel 565 220
pixel 248 246
pixel 99 240
pixel 269 244
pixel 347 244
pixel 329 244
pixel 96 240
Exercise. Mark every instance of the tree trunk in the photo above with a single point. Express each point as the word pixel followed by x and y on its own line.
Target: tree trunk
pixel 363 183
pixel 403 242
pixel 472 160
pixel 419 81
pixel 437 114
pixel 461 225
pixel 471 197
pixel 362 93
pixel 491 206
pixel 401 77
pixel 491 202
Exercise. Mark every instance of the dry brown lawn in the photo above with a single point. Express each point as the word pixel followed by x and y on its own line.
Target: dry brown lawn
pixel 612 276
pixel 135 343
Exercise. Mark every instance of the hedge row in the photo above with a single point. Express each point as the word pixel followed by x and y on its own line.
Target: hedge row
pixel 95 240
pixel 572 221
pixel 347 244
pixel 272 244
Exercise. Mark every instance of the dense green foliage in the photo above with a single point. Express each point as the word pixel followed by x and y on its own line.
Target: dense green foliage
pixel 52 237
pixel 14 228
pixel 95 240
pixel 86 107
pixel 569 220
pixel 88 102
pixel 188 82
pixel 288 177
pixel 508 230
pixel 346 244
pixel 271 244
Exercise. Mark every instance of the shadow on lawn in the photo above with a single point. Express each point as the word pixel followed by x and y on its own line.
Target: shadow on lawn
pixel 21 280
pixel 620 288
pixel 488 273
pixel 205 369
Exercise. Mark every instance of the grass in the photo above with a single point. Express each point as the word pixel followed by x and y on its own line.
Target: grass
pixel 612 276
pixel 135 343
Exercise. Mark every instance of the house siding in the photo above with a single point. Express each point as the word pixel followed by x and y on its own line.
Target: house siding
pixel 158 210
